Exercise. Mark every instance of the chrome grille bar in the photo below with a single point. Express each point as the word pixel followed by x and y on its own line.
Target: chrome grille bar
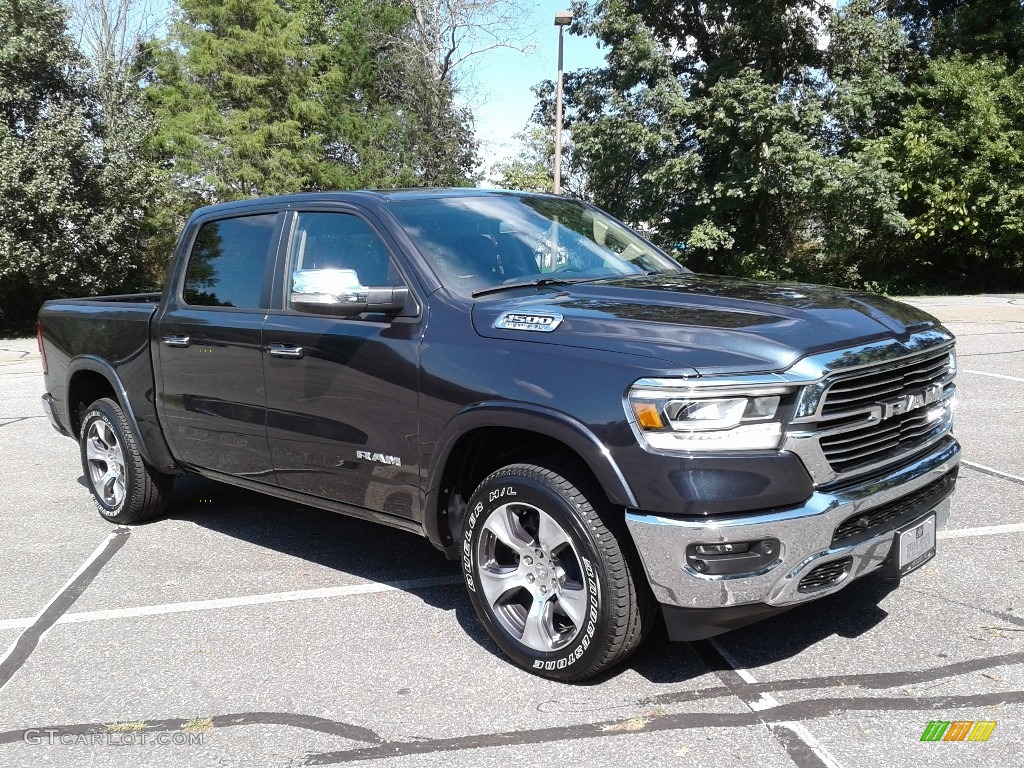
pixel 854 444
pixel 889 405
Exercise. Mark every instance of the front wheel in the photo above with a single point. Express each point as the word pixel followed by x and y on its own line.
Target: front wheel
pixel 126 489
pixel 551 573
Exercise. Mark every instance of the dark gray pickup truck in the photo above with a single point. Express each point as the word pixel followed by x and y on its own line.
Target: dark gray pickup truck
pixel 595 432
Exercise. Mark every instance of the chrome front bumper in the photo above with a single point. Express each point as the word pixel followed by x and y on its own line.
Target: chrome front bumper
pixel 805 533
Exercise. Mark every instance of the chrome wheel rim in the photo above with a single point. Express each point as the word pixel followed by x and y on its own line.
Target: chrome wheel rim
pixel 531 576
pixel 105 460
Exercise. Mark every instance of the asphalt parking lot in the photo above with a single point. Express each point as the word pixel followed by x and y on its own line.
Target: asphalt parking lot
pixel 244 631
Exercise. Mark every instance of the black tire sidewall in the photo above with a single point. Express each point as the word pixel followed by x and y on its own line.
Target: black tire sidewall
pixel 102 410
pixel 589 646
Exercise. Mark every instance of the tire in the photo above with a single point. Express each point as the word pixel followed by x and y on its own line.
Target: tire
pixel 125 488
pixel 552 574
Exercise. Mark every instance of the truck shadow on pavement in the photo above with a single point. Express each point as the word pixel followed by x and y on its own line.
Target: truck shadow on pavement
pixel 387 555
pixel 359 548
pixel 850 613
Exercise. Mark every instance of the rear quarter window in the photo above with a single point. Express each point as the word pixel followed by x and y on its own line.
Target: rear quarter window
pixel 228 261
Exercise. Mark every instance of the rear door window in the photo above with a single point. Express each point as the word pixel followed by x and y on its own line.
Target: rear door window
pixel 228 262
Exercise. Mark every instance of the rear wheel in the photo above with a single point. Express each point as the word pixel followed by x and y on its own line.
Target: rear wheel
pixel 125 488
pixel 552 574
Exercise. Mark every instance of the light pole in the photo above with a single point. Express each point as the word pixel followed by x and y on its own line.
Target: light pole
pixel 562 20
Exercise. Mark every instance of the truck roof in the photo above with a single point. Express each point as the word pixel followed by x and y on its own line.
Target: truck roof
pixel 378 195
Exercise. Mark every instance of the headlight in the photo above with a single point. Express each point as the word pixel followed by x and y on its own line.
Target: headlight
pixel 695 421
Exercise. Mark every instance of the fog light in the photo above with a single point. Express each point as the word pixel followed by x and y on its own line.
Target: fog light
pixel 733 558
pixel 722 549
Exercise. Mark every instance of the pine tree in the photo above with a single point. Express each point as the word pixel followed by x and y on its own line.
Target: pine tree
pixel 257 97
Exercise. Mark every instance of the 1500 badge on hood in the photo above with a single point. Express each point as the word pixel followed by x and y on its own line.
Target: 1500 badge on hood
pixel 526 321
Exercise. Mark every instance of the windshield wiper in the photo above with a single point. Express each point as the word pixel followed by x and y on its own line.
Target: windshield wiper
pixel 538 283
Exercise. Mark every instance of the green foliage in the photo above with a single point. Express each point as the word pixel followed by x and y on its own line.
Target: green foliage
pixel 243 97
pixel 960 152
pixel 980 28
pixel 705 126
pixel 873 145
pixel 240 101
pixel 73 191
pixel 887 158
pixel 531 169
pixel 258 97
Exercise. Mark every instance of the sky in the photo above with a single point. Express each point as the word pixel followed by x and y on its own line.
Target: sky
pixel 498 91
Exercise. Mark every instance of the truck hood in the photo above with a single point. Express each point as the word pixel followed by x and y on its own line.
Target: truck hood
pixel 710 324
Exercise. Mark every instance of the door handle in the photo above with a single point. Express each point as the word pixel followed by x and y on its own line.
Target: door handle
pixel 177 341
pixel 285 350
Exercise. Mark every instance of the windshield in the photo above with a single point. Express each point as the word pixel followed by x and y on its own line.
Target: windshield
pixel 479 243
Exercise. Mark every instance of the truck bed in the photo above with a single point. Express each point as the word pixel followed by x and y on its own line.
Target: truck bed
pixel 82 337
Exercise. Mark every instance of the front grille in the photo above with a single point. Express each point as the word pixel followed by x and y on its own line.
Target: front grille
pixel 876 384
pixel 869 444
pixel 853 406
pixel 909 506
pixel 825 575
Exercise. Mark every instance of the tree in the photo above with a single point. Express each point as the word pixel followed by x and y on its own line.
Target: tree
pixel 426 56
pixel 72 220
pixel 432 57
pixel 256 97
pixel 959 151
pixel 232 93
pixel 112 36
pixel 449 34
pixel 704 124
pixel 531 169
pixel 109 32
pixel 930 128
pixel 979 28
pixel 855 211
pixel 875 145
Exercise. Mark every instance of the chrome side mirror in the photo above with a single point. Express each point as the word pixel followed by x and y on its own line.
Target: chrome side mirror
pixel 339 292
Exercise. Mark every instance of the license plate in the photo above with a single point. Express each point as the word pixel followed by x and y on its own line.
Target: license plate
pixel 915 545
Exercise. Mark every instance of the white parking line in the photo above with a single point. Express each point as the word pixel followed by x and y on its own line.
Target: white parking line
pixel 990 471
pixel 37 626
pixel 987 530
pixel 234 602
pixel 767 701
pixel 27 622
pixel 353 590
pixel 995 375
pixel 815 746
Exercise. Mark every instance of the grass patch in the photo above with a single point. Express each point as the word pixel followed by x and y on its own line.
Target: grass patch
pixel 198 725
pixel 633 724
pixel 131 727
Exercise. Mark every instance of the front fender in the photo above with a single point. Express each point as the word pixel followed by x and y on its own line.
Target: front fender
pixel 533 418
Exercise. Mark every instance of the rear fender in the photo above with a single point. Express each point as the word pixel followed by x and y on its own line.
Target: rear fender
pixel 152 445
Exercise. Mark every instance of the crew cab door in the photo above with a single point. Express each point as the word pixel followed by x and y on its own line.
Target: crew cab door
pixel 342 391
pixel 212 399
